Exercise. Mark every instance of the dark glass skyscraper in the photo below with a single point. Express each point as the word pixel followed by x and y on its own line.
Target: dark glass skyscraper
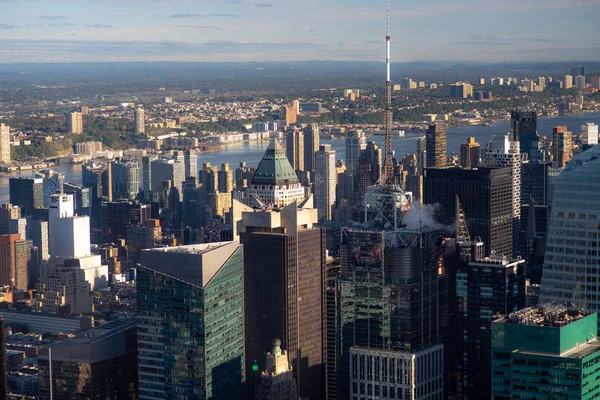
pixel 523 129
pixel 190 303
pixel 486 198
pixel 27 193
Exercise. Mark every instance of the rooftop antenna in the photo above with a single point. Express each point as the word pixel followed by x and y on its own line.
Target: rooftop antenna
pixel 389 153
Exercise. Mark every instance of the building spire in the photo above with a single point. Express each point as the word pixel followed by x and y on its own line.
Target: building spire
pixel 388 174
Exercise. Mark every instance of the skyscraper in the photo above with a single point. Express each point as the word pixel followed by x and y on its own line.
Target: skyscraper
pixel 545 353
pixel 356 142
pixel 284 273
pixel 580 82
pixel 421 154
pixel 311 146
pixel 139 120
pixel 392 314
pixel 294 149
pixel 484 288
pixel 578 70
pixel 325 181
pixel 368 171
pixel 470 154
pixel 190 302
pixel 589 134
pixel 523 129
pixel 562 146
pixel 75 123
pixel 27 193
pixel 5 144
pixel 435 138
pixel 486 198
pixel 191 163
pixel 126 178
pixel 167 170
pixel 18 262
pixel 101 363
pixel 569 273
pixel 290 114
pixel 7 213
pixel 53 183
pixel 505 153
pixel 115 217
pixel 275 182
pixel 568 83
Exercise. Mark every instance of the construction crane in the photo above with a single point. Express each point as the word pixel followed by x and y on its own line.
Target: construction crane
pixel 388 171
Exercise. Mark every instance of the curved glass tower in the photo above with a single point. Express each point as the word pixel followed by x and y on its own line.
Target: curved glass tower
pixel 571 273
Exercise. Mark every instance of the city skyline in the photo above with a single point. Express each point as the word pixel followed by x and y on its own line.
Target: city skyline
pixel 236 30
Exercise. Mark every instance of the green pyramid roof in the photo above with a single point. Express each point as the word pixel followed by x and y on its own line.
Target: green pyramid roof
pixel 274 168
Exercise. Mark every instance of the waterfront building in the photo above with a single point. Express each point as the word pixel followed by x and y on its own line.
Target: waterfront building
pixel 5 144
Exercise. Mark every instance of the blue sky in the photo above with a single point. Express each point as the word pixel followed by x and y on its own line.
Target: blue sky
pixel 287 30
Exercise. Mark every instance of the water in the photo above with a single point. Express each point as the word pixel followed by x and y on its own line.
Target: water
pixel 251 152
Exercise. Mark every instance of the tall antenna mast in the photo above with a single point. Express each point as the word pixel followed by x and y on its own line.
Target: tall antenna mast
pixel 388 171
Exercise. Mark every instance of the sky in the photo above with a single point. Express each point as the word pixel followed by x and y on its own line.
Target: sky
pixel 295 30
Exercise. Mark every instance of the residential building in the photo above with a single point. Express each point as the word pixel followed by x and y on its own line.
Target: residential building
pixel 75 123
pixel 289 114
pixel 486 198
pixel 5 144
pixel 523 129
pixel 568 82
pixel 461 89
pixel 284 274
pixel 470 154
pixel 325 182
pixel 139 121
pixel 580 82
pixel 595 82
pixel 88 147
pixel 435 141
pixel 53 183
pixel 589 134
pixel 194 292
pixel 562 146
pixel 63 289
pixel 275 182
pixel 545 353
pixel 126 178
pixel 505 153
pixel 18 262
pixel 27 193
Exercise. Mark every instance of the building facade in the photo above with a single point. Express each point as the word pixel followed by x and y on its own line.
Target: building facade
pixel 75 123
pixel 5 144
pixel 191 322
pixel 435 140
pixel 523 129
pixel 325 182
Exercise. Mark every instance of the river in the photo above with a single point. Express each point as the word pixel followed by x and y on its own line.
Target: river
pixel 251 152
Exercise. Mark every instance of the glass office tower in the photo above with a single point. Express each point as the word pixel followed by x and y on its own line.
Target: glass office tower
pixel 191 322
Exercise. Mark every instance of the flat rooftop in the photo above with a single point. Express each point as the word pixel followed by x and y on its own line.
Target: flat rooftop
pixel 190 249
